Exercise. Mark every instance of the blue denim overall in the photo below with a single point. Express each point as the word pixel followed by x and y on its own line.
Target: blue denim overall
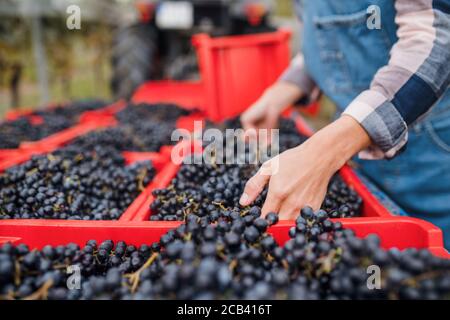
pixel 342 55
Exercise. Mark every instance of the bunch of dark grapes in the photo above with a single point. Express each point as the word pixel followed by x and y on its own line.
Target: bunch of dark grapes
pixel 136 114
pixel 289 136
pixel 118 138
pixel 12 133
pixel 142 128
pixel 151 124
pixel 72 110
pixel 124 138
pixel 152 135
pixel 72 183
pixel 204 185
pixel 202 190
pixel 341 201
pixel 229 256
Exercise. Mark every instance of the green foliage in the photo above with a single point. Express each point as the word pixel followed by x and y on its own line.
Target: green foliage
pixel 78 61
pixel 285 8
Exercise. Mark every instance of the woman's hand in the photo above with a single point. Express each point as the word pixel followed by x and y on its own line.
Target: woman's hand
pixel 299 177
pixel 264 113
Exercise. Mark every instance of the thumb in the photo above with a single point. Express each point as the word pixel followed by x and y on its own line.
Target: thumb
pixel 253 187
pixel 271 122
pixel 254 114
pixel 249 118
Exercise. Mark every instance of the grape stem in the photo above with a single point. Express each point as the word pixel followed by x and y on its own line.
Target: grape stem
pixel 135 277
pixel 40 293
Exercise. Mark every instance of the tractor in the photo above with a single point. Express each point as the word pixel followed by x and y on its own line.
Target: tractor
pixel 157 46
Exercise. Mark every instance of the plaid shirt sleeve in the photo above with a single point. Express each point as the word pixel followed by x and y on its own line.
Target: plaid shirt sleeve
pixel 297 74
pixel 417 74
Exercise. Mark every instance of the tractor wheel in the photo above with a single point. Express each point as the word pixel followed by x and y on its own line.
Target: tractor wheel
pixel 134 54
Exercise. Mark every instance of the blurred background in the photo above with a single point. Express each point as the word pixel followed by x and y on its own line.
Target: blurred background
pixel 42 61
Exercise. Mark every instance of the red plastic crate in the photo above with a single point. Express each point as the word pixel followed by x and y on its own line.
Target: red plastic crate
pixel 16 114
pixel 107 115
pixel 159 162
pixel 371 206
pixel 398 233
pixel 13 157
pixel 394 232
pixel 106 112
pixel 187 94
pixel 312 109
pixel 88 121
pixel 234 73
pixel 189 122
pixel 52 142
pixel 98 118
pixel 66 136
pixel 236 70
pixel 28 111
pixel 8 153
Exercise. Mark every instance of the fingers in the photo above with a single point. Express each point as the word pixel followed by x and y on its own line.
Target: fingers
pixel 253 187
pixel 289 210
pixel 251 117
pixel 270 123
pixel 272 204
pixel 247 123
pixel 250 135
pixel 290 207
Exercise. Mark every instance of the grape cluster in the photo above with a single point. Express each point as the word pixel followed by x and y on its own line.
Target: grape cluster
pixel 228 256
pixel 200 187
pixel 151 136
pixel 142 128
pixel 135 114
pixel 12 133
pixel 341 201
pixel 72 183
pixel 118 138
pixel 151 124
pixel 289 136
pixel 72 110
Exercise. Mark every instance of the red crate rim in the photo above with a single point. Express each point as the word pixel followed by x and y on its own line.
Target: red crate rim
pixel 33 230
pixel 241 40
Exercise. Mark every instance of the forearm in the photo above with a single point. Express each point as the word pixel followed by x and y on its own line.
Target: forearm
pixel 283 94
pixel 298 76
pixel 299 177
pixel 337 143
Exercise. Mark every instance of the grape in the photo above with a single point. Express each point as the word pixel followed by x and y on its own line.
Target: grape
pixel 12 133
pixel 72 183
pixel 205 258
pixel 142 128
